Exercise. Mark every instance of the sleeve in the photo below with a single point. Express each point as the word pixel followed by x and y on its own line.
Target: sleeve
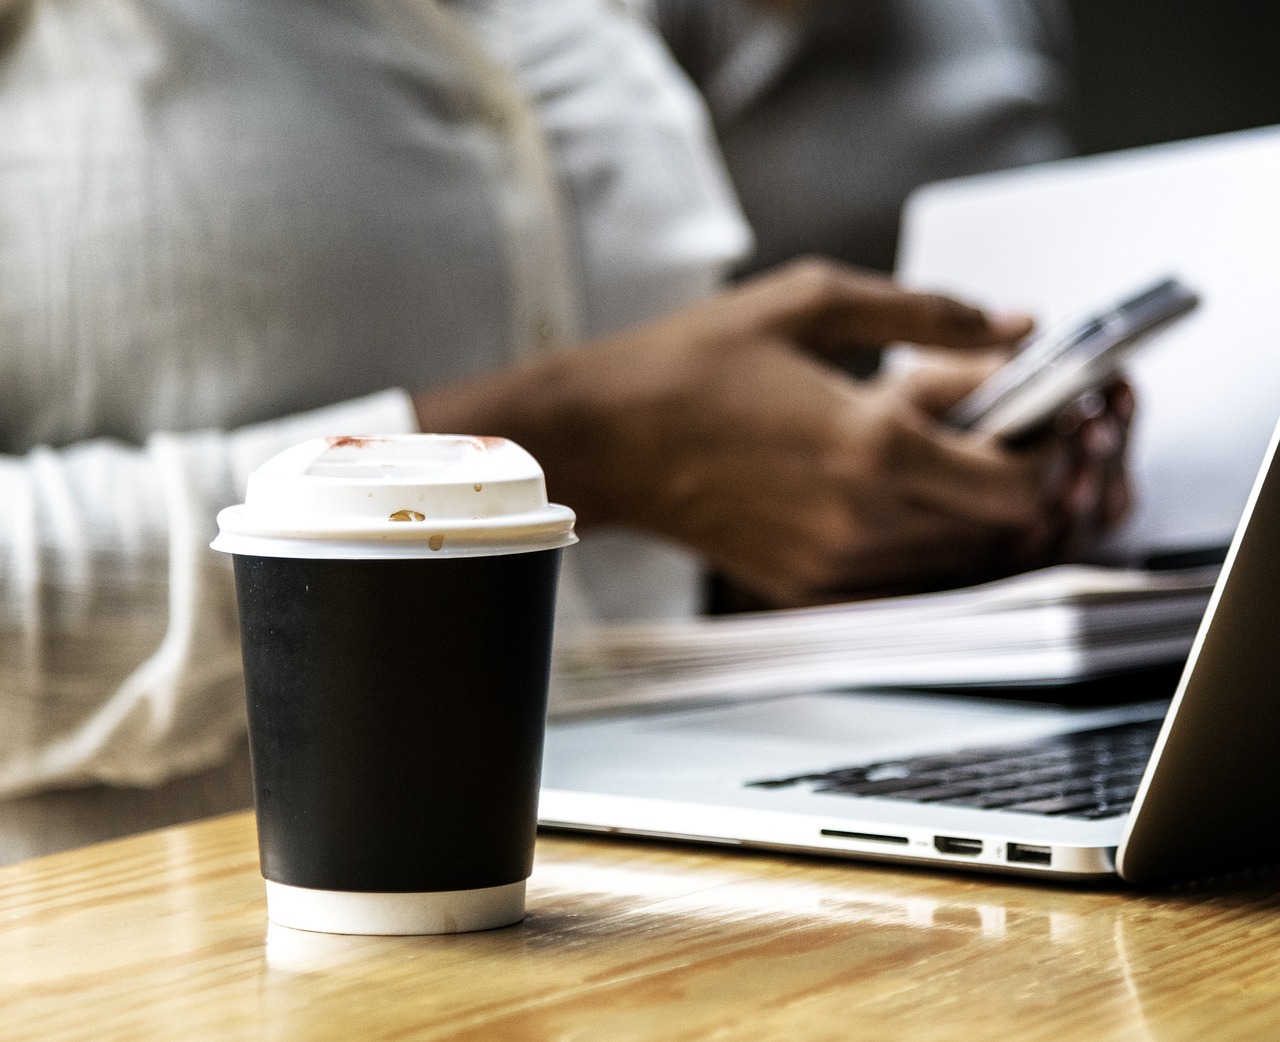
pixel 119 647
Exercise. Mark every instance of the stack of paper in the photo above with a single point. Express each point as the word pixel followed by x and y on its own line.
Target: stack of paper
pixel 1051 626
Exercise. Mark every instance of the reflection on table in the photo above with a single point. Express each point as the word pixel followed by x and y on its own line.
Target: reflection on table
pixel 165 936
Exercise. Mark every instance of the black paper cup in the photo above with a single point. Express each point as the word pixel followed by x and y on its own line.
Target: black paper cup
pixel 397 707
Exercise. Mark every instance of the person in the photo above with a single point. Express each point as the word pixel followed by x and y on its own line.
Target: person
pixel 830 113
pixel 227 226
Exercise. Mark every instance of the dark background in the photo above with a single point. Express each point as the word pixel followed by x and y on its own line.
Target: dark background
pixel 1148 71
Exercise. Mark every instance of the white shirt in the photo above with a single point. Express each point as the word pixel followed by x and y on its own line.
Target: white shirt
pixel 220 216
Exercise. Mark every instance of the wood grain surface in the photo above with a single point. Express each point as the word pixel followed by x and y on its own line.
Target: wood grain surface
pixel 164 936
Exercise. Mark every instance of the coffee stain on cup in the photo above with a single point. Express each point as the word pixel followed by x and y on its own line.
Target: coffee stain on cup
pixel 407 515
pixel 436 541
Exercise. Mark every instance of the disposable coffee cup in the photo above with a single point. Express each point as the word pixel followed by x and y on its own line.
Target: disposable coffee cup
pixel 396 600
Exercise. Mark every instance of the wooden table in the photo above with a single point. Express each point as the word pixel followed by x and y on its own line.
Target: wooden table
pixel 164 936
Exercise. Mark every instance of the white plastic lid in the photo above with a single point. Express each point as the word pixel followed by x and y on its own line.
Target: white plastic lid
pixel 401 495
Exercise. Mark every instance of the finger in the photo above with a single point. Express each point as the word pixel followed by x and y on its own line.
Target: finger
pixel 975 479
pixel 832 307
pixel 1118 500
pixel 1118 491
pixel 1083 410
pixel 1107 456
pixel 1122 401
pixel 937 385
pixel 1116 400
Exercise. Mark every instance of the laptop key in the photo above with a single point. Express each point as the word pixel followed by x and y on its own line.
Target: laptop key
pixel 1092 774
pixel 1056 804
pixel 935 793
pixel 985 800
pixel 1108 811
pixel 884 787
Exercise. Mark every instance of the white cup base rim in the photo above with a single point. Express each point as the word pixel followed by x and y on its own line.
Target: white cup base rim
pixel 432 912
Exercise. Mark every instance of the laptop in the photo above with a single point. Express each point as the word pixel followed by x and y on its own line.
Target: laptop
pixel 1149 792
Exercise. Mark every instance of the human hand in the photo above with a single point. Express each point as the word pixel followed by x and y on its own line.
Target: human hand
pixel 1081 457
pixel 726 428
pixel 1095 430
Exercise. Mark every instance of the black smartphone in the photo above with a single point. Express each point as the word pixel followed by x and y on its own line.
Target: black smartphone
pixel 1056 367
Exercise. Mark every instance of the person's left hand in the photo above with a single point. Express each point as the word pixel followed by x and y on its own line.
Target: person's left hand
pixel 1098 494
pixel 1083 453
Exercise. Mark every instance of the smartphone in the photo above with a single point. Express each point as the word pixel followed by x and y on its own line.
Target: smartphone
pixel 1056 367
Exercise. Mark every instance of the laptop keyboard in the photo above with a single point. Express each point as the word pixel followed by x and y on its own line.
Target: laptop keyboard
pixel 1086 774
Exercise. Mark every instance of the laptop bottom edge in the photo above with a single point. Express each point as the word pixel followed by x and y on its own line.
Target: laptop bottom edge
pixel 967 850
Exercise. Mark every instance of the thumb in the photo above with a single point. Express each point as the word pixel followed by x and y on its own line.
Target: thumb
pixel 934 386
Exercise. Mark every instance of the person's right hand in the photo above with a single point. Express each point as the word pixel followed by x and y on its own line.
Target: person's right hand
pixel 727 428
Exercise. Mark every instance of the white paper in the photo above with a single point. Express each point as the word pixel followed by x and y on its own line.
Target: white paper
pixel 1071 622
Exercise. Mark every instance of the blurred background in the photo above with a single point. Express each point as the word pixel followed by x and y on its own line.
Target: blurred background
pixel 830 111
pixel 1147 71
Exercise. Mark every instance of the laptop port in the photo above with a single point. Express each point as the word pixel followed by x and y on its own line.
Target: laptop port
pixel 957 845
pixel 1025 853
pixel 871 837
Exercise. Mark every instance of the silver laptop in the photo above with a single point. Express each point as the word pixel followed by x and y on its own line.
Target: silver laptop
pixel 1150 792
